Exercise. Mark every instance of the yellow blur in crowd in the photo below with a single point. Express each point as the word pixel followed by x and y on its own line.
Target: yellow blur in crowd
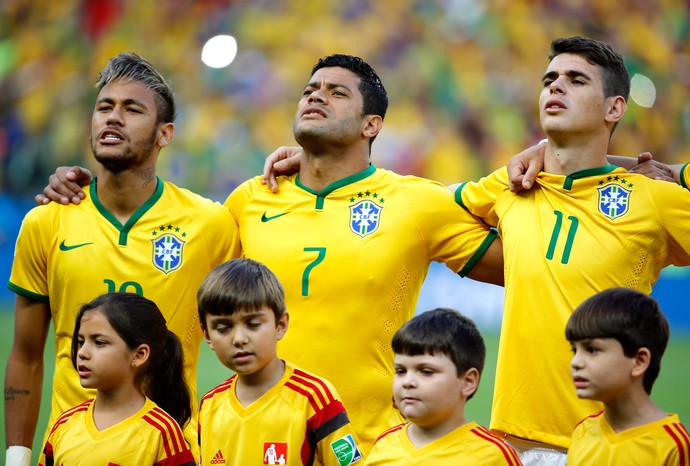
pixel 462 77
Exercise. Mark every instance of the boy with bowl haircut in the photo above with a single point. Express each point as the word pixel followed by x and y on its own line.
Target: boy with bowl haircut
pixel 618 337
pixel 269 412
pixel 439 356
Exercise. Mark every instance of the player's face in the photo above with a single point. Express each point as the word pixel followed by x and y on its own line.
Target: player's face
pixel 124 128
pixel 330 110
pixel 245 341
pixel 600 369
pixel 572 97
pixel 427 389
pixel 104 361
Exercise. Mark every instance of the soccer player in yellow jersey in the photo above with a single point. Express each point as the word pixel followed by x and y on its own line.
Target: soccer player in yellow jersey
pixel 270 411
pixel 439 357
pixel 135 233
pixel 583 227
pixel 352 243
pixel 122 348
pixel 618 337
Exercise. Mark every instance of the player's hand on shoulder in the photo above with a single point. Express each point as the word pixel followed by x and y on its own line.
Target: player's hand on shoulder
pixel 647 166
pixel 524 167
pixel 65 186
pixel 285 160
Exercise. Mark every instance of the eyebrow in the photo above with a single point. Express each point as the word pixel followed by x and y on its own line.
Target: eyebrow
pixel 126 102
pixel 569 73
pixel 328 85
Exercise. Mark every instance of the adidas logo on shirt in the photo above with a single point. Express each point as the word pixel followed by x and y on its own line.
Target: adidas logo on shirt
pixel 218 458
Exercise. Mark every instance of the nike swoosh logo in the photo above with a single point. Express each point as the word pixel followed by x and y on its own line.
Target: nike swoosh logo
pixel 64 247
pixel 265 218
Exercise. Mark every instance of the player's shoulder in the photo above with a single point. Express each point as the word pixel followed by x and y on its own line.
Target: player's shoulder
pixel 391 433
pixel 218 389
pixel 72 414
pixel 310 386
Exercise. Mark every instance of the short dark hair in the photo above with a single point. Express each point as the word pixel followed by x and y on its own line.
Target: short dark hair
pixel 615 75
pixel 132 67
pixel 137 320
pixel 443 331
pixel 631 317
pixel 240 285
pixel 373 93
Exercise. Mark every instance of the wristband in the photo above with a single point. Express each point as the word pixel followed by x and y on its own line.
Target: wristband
pixel 17 455
pixel 543 141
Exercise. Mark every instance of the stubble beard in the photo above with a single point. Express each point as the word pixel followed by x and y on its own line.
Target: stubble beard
pixel 129 158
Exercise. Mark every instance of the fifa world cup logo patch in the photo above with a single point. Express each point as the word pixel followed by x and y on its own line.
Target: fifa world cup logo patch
pixel 346 450
pixel 167 251
pixel 613 200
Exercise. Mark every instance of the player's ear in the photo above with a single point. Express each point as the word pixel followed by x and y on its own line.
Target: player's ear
pixel 165 133
pixel 470 382
pixel 140 355
pixel 207 337
pixel 282 324
pixel 372 125
pixel 641 362
pixel 616 108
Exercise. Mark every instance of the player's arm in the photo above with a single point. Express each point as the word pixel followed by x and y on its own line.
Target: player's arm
pixel 282 161
pixel 489 268
pixel 24 372
pixel 64 186
pixel 647 166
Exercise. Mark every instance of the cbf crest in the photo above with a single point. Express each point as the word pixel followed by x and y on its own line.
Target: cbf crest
pixel 613 200
pixel 167 252
pixel 365 217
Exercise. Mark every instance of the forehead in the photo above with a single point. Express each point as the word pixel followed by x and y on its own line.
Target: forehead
pixel 127 89
pixel 336 75
pixel 95 318
pixel 566 62
pixel 437 359
pixel 241 314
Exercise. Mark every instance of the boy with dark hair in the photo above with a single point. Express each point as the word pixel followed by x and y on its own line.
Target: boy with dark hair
pixel 439 356
pixel 618 337
pixel 269 412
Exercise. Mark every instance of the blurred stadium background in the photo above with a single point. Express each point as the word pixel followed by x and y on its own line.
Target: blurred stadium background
pixel 463 78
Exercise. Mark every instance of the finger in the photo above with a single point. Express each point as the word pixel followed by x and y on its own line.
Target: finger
pixel 41 199
pixel 51 195
pixel 643 157
pixel 273 183
pixel 516 183
pixel 63 192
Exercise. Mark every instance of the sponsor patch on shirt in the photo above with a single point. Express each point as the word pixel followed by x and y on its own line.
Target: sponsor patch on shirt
pixel 275 453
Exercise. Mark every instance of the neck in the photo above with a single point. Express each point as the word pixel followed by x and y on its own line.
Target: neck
pixel 319 169
pixel 566 155
pixel 632 410
pixel 421 435
pixel 250 387
pixel 114 406
pixel 123 193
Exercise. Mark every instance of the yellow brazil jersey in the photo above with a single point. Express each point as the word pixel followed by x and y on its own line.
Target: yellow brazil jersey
pixel 68 255
pixel 564 240
pixel 352 259
pixel 665 442
pixel 148 437
pixel 298 421
pixel 467 444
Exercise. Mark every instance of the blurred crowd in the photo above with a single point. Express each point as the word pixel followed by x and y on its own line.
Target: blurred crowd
pixel 463 78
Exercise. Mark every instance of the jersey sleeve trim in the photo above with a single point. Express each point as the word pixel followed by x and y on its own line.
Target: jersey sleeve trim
pixel 458 195
pixel 26 293
pixel 479 253
pixel 683 181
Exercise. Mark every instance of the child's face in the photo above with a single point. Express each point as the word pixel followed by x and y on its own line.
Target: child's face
pixel 427 389
pixel 600 369
pixel 245 341
pixel 103 361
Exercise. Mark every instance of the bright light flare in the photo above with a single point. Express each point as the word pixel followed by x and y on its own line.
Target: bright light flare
pixel 642 91
pixel 219 51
